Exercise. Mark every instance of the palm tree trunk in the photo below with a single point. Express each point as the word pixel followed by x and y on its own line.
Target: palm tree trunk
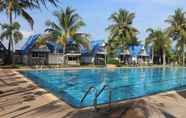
pixel 64 51
pixel 11 57
pixel 123 46
pixel 183 59
pixel 8 59
pixel 152 55
pixel 164 58
pixel 183 55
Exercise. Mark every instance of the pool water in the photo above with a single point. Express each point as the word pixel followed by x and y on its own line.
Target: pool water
pixel 125 83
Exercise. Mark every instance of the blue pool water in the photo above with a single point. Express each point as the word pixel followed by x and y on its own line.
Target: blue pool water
pixel 126 83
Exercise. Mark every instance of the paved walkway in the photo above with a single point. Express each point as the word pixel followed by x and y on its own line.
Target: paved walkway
pixel 20 98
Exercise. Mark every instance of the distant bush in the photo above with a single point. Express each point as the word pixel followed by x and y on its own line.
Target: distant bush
pixel 19 66
pixel 112 61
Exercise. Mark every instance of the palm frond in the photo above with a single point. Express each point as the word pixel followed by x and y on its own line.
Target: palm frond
pixel 52 25
pixel 83 39
pixel 27 17
pixel 121 29
pixel 68 24
pixel 17 36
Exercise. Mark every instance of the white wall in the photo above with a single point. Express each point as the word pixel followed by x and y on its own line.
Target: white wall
pixel 55 59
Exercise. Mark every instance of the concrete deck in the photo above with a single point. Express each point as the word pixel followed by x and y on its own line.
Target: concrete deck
pixel 21 98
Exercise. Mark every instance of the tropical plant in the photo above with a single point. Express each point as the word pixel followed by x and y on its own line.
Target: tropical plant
pixel 160 43
pixel 69 22
pixel 18 8
pixel 40 42
pixel 121 31
pixel 177 30
pixel 8 30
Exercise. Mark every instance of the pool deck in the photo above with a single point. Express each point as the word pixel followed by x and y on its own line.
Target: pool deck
pixel 21 98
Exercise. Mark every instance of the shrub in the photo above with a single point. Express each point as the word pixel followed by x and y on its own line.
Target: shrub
pixel 112 61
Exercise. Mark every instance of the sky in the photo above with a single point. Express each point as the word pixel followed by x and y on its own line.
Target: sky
pixel 95 13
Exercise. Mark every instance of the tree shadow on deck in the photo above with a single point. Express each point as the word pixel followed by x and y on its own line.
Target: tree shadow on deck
pixel 182 93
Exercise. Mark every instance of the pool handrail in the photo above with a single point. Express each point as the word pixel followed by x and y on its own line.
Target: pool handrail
pixel 87 92
pixel 99 93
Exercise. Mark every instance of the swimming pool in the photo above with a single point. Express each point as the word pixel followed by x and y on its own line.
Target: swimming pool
pixel 125 83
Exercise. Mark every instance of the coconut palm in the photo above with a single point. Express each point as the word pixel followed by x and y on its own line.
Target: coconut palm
pixel 8 29
pixel 160 43
pixel 19 8
pixel 69 22
pixel 13 30
pixel 15 7
pixel 177 30
pixel 121 31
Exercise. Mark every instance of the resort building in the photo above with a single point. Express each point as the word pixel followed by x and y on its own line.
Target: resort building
pixel 56 55
pixel 85 55
pixel 99 53
pixel 143 57
pixel 40 56
pixel 135 54
pixel 72 53
pixel 28 53
pixel 125 57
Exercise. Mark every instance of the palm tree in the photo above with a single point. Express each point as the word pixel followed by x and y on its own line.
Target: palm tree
pixel 8 29
pixel 160 43
pixel 69 22
pixel 13 30
pixel 177 30
pixel 122 33
pixel 19 7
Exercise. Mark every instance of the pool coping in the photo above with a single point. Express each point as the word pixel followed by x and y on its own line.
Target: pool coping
pixel 122 102
pixel 105 67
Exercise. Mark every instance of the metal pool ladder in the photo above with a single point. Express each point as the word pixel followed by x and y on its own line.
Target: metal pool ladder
pixel 97 94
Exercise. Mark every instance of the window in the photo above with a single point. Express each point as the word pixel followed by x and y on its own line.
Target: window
pixel 34 54
pixel 39 54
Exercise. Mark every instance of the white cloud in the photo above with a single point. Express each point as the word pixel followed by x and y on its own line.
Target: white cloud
pixel 26 34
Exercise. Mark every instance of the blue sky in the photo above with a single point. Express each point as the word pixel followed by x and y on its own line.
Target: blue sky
pixel 95 13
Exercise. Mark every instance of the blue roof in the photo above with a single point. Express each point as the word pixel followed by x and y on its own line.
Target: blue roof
pixel 96 42
pixel 97 46
pixel 25 45
pixel 5 43
pixel 83 50
pixel 54 46
pixel 135 50
pixel 2 45
pixel 70 41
